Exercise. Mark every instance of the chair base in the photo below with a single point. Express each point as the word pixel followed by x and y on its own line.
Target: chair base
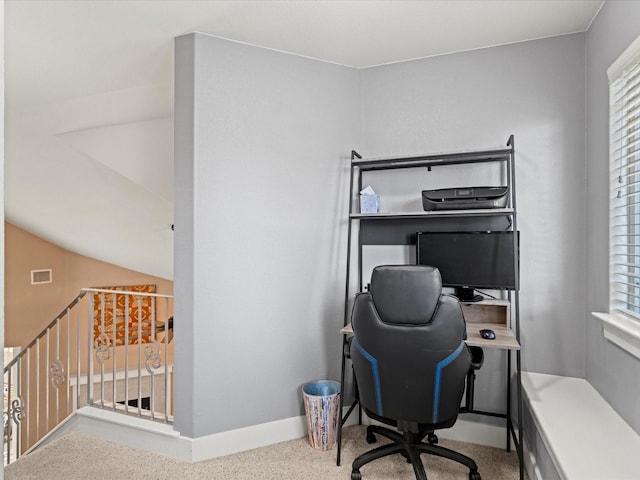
pixel 410 445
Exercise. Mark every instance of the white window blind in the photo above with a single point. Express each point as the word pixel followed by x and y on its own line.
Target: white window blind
pixel 624 220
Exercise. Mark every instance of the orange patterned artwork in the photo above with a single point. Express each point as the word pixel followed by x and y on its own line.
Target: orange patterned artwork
pixel 103 314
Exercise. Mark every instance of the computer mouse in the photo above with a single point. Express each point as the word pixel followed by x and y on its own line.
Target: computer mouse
pixel 488 334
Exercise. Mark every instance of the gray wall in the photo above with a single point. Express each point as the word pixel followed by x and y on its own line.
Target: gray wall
pixel 262 148
pixel 262 143
pixel 613 371
pixel 472 100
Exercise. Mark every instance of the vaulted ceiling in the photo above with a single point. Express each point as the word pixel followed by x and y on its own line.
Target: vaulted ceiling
pixel 89 94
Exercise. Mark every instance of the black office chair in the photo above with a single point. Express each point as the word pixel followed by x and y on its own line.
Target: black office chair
pixel 410 363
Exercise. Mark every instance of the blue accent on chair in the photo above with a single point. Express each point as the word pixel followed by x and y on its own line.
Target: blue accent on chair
pixel 439 367
pixel 376 375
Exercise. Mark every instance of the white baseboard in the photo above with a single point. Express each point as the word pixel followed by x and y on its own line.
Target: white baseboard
pixel 161 438
pixel 476 432
pixel 242 439
pixel 468 431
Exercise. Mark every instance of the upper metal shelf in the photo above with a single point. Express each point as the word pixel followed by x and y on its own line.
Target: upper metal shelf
pixel 431 160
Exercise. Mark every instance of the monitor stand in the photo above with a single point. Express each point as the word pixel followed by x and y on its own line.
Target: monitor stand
pixel 466 295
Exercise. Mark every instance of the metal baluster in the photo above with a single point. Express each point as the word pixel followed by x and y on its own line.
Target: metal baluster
pixel 152 338
pixel 91 323
pixel 166 361
pixel 20 404
pixel 127 315
pixel 66 383
pixel 113 345
pixel 46 370
pixel 37 406
pixel 139 355
pixel 8 427
pixel 78 353
pixel 58 360
pixel 28 426
pixel 102 334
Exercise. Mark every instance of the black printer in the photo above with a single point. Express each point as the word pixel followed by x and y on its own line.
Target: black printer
pixel 465 198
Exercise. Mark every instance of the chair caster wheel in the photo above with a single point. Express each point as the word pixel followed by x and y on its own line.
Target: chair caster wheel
pixel 356 475
pixel 371 438
pixel 474 476
pixel 432 438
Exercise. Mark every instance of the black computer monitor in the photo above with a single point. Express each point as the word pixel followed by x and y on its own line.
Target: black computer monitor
pixel 469 260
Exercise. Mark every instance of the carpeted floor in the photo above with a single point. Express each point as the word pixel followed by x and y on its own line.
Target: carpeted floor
pixel 77 456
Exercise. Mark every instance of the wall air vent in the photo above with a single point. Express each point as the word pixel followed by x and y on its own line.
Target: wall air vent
pixel 41 276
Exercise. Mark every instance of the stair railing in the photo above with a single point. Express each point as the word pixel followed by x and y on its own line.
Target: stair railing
pixel 109 349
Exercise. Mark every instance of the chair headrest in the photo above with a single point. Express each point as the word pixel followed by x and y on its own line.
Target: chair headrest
pixel 406 294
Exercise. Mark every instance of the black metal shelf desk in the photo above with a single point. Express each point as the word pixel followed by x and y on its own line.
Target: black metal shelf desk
pixel 399 228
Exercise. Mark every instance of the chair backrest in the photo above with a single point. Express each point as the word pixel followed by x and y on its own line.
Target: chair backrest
pixel 408 351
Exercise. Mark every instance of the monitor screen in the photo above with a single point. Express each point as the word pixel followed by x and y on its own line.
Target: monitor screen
pixel 469 259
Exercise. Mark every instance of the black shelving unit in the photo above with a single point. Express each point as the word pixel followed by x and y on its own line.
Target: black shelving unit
pixel 399 228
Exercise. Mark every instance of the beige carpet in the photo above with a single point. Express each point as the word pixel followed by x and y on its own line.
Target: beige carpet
pixel 77 456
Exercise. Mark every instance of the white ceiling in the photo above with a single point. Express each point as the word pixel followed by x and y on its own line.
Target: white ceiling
pixel 88 161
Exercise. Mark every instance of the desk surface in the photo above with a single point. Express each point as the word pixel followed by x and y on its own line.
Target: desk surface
pixel 505 339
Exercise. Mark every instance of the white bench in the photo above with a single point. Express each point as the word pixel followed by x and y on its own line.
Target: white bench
pixel 584 436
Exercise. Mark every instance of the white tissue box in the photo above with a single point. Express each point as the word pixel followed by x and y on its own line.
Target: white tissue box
pixel 369 204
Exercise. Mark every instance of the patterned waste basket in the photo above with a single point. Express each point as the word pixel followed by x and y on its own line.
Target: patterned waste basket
pixel 322 405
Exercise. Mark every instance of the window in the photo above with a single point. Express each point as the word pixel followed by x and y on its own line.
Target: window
pixel 624 96
pixel 621 325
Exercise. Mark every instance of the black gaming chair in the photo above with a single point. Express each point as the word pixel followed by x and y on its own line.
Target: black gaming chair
pixel 410 363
